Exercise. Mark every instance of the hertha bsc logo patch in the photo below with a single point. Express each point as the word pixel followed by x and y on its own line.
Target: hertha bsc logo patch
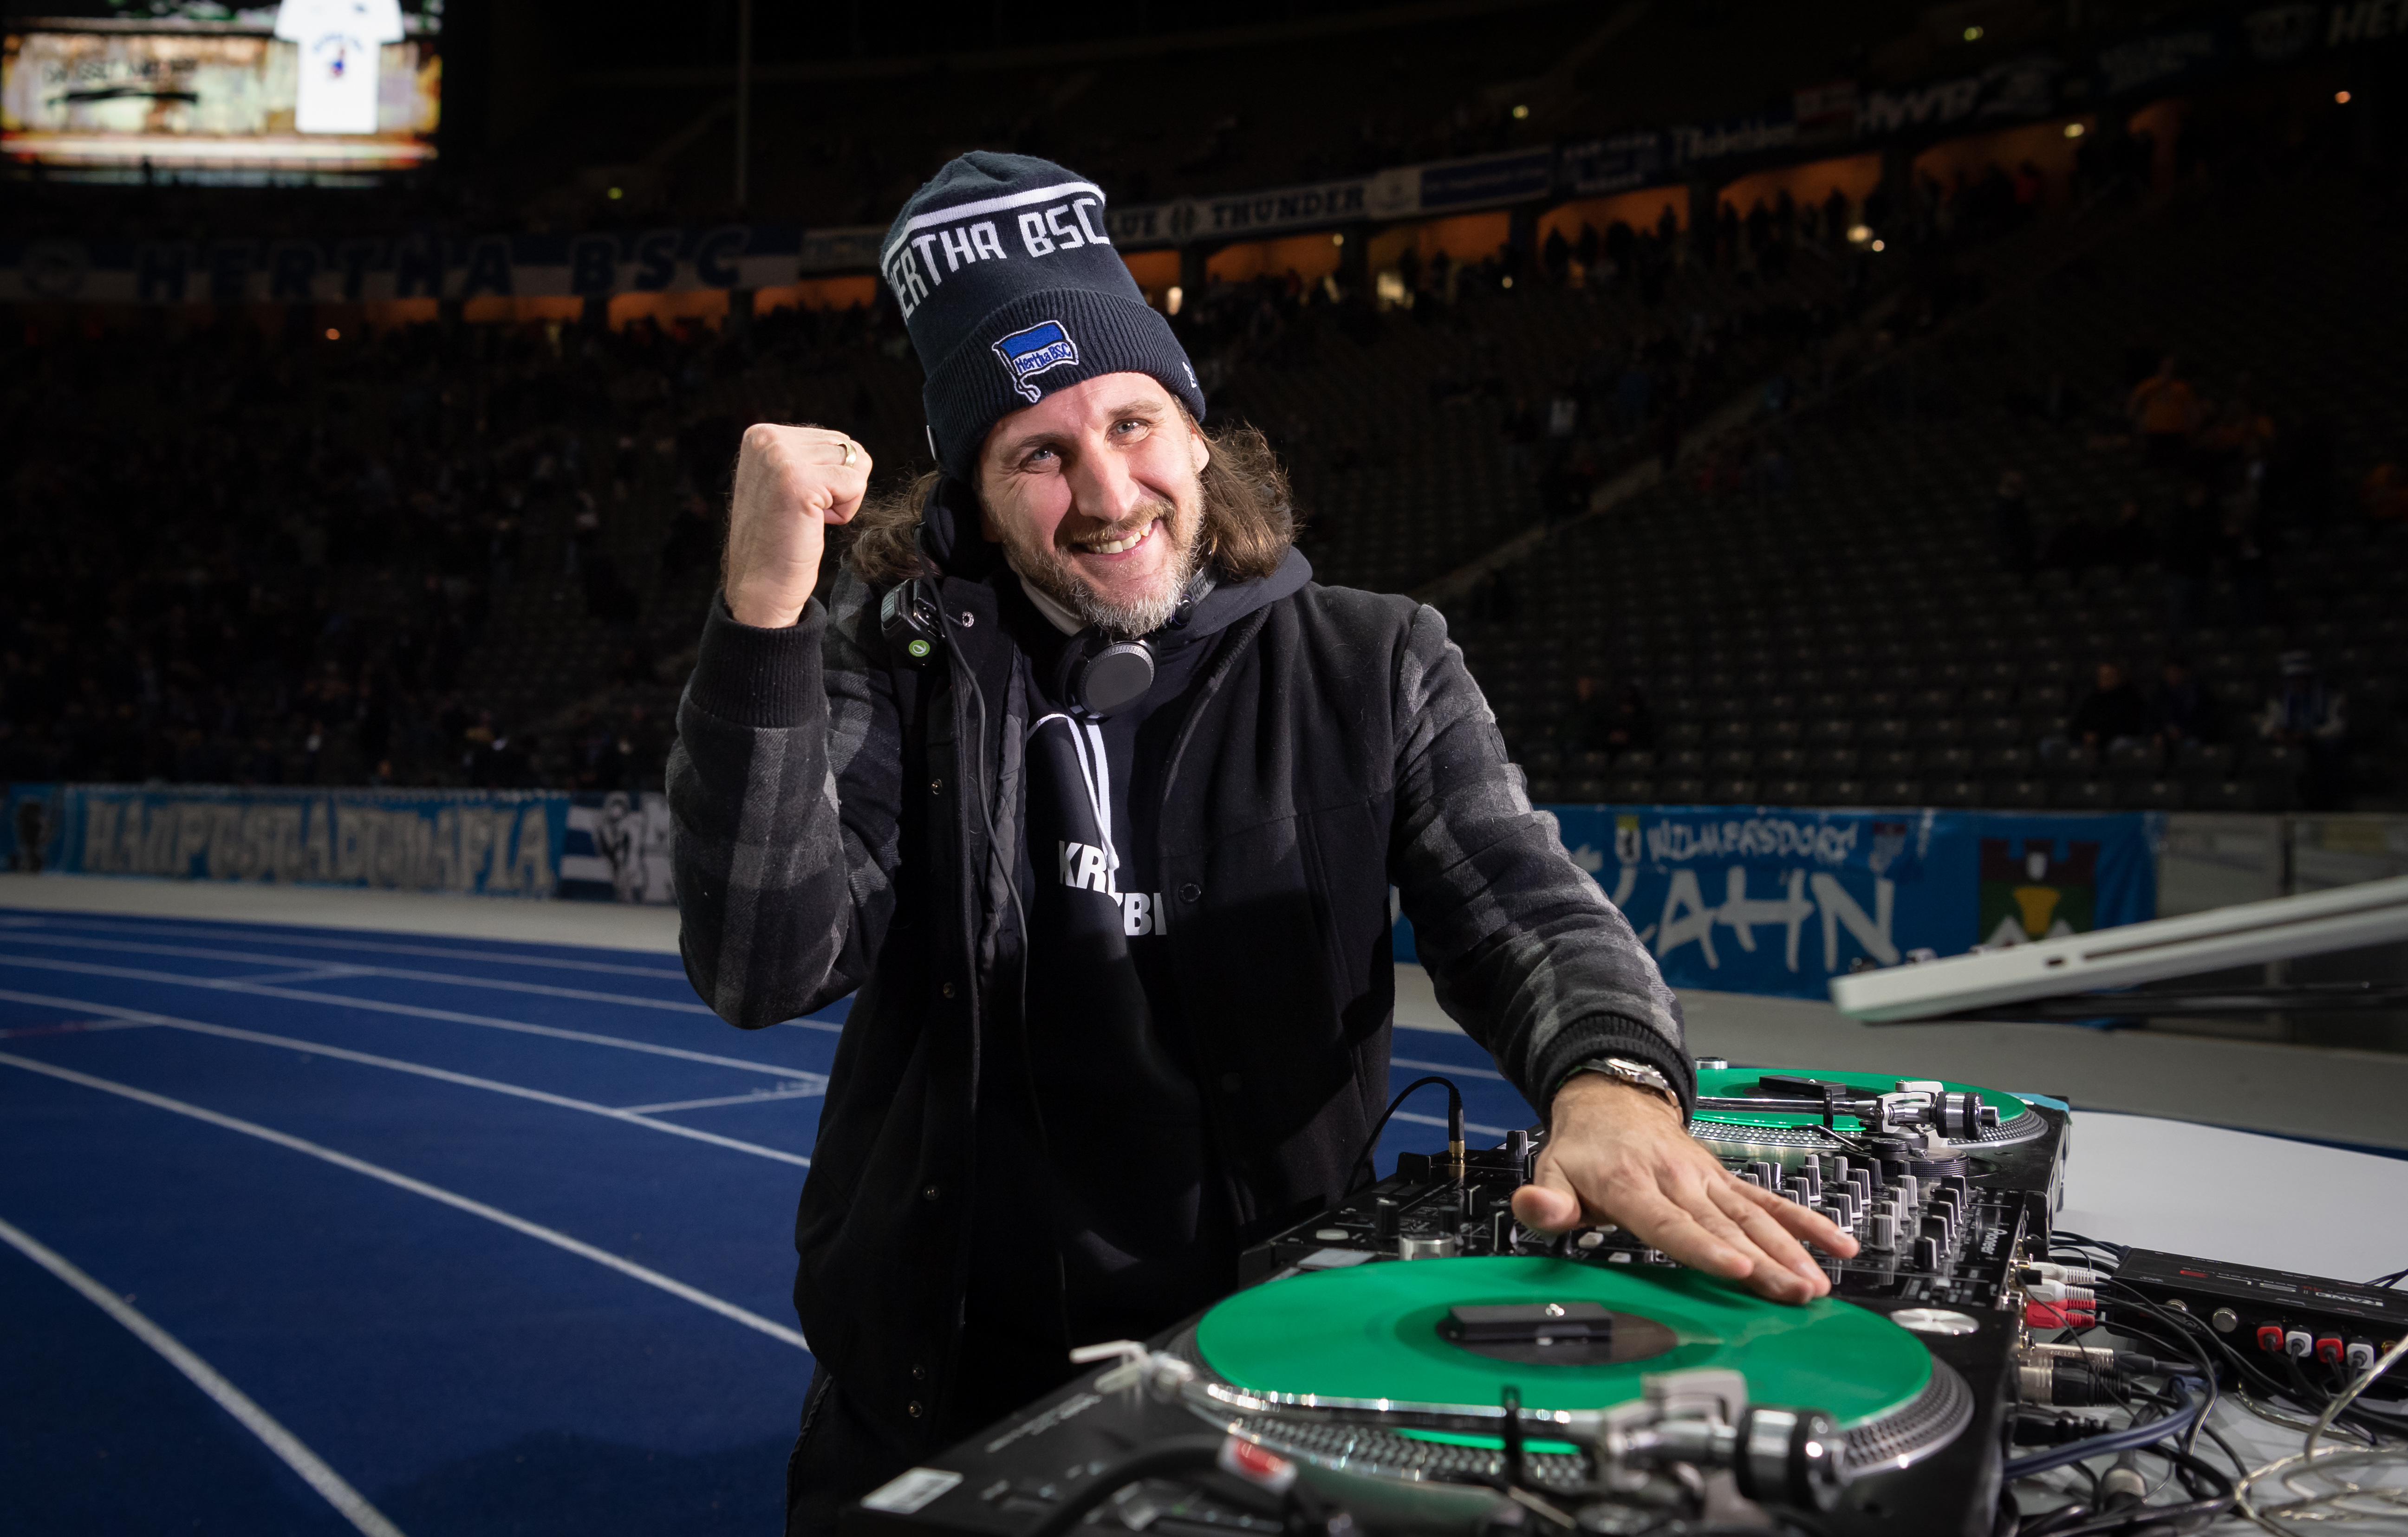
pixel 1031 352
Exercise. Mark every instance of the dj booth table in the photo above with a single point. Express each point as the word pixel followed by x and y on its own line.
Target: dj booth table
pixel 2222 1194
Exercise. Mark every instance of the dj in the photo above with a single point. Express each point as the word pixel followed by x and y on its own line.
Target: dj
pixel 1117 912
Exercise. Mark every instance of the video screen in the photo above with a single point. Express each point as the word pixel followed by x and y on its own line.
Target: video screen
pixel 310 90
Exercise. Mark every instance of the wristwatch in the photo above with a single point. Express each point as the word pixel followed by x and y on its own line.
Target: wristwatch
pixel 1629 1072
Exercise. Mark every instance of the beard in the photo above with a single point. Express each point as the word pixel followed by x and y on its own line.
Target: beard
pixel 1053 572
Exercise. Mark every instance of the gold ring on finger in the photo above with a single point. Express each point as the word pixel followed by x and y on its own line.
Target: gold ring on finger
pixel 851 454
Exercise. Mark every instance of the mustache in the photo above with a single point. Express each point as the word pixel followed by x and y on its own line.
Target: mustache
pixel 1135 522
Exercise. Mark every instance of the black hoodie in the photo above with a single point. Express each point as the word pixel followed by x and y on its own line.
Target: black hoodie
pixel 1127 1244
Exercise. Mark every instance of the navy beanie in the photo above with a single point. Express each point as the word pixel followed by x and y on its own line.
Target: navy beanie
pixel 1010 289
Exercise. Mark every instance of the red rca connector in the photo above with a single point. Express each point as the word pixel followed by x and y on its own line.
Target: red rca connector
pixel 2329 1349
pixel 2059 1315
pixel 2270 1338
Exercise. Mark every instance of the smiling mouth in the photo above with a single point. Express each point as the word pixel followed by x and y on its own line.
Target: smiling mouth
pixel 1119 544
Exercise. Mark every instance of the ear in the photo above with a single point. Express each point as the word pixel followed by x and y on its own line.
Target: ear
pixel 1199 450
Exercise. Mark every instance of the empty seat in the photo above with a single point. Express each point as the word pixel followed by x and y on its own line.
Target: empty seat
pixel 1732 761
pixel 2148 792
pixel 1789 790
pixel 1956 792
pixel 1733 791
pixel 2131 757
pixel 2082 794
pixel 2016 794
pixel 1630 789
pixel 1681 791
pixel 1840 791
pixel 1835 762
pixel 1897 791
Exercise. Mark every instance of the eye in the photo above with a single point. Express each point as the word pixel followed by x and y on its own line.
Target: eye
pixel 1038 459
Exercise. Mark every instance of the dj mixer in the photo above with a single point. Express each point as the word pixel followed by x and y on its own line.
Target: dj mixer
pixel 1414 1361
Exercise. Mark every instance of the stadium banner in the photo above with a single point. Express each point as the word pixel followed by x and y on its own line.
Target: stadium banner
pixel 1614 165
pixel 490 843
pixel 589 265
pixel 1694 143
pixel 1768 900
pixel 616 847
pixel 2011 90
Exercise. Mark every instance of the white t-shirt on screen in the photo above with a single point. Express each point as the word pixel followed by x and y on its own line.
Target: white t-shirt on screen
pixel 339 42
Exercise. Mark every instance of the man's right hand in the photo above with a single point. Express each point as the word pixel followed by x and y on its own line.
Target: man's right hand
pixel 790 482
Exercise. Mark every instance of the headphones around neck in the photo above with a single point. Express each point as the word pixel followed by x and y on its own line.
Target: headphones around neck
pixel 1097 677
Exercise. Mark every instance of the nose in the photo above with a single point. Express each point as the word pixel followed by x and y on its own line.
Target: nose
pixel 1102 484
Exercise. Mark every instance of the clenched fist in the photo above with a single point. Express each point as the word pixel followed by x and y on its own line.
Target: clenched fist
pixel 790 482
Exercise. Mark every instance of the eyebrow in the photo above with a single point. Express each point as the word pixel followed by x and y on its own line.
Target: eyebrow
pixel 1118 413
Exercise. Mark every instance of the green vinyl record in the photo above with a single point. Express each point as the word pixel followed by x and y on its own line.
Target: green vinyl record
pixel 1740 1082
pixel 1372 1332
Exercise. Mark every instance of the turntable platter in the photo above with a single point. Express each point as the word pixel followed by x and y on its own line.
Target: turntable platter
pixel 1379 1334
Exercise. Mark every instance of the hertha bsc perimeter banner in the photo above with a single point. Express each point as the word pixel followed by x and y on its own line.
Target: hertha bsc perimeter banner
pixel 490 843
pixel 1769 901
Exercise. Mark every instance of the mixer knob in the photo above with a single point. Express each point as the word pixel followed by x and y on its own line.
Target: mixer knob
pixel 1768 1173
pixel 1840 1167
pixel 1862 1182
pixel 1927 1254
pixel 1385 1215
pixel 1910 1191
pixel 1885 1231
pixel 1796 1189
pixel 1937 1228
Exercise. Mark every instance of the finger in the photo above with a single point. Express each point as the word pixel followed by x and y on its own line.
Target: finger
pixel 1776 1242
pixel 1549 1203
pixel 1662 1224
pixel 1811 1226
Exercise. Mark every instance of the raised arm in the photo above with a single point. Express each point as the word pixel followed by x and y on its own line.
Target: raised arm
pixel 784 781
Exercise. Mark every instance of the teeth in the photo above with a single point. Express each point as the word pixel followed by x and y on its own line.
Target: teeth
pixel 1114 546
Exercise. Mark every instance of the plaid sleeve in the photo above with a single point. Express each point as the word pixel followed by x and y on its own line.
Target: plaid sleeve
pixel 783 789
pixel 1526 952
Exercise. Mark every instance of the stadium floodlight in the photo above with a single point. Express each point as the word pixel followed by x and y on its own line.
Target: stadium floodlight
pixel 2345 919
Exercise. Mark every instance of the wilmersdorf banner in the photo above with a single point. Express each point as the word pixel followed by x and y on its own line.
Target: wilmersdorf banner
pixel 1767 901
pixel 490 843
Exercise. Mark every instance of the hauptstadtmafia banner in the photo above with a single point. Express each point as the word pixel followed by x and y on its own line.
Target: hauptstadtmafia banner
pixel 1769 901
pixel 491 843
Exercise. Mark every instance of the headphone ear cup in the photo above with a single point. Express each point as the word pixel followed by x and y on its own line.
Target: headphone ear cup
pixel 1111 679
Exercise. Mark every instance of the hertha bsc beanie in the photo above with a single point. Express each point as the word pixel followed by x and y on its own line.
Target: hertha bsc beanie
pixel 1011 290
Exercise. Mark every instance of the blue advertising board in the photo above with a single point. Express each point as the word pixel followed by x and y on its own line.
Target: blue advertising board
pixel 1771 901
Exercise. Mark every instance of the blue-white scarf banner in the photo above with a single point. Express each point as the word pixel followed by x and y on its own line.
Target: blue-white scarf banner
pixel 1768 900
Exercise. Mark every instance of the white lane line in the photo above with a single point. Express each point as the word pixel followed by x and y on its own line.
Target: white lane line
pixel 404 974
pixel 450 978
pixel 413 1011
pixel 434 951
pixel 1395 1062
pixel 234 1401
pixel 418 1186
pixel 767 1096
pixel 126 1019
pixel 1440 1120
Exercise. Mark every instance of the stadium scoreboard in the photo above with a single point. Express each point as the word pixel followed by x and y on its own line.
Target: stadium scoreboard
pixel 311 89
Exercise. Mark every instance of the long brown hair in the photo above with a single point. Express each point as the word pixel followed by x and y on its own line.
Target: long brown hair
pixel 1249 514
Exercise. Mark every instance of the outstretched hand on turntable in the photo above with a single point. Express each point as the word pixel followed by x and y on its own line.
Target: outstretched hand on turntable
pixel 1617 1152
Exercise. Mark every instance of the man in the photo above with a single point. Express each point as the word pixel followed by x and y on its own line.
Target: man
pixel 1117 914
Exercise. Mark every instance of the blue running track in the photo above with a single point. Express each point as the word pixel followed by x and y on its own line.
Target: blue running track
pixel 500 1234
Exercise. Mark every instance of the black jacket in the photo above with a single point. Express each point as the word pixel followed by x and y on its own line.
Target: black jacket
pixel 830 836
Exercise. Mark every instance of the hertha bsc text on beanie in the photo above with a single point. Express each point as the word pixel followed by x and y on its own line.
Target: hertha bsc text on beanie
pixel 1011 290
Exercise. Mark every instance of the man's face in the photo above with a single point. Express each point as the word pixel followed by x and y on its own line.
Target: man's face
pixel 1096 494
